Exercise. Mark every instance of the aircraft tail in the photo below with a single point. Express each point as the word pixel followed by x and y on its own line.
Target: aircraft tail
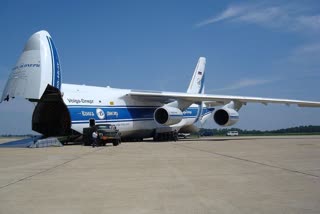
pixel 37 67
pixel 196 85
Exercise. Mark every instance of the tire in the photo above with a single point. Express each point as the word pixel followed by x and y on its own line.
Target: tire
pixel 115 143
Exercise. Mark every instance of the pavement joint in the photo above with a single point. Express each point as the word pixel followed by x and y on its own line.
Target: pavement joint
pixel 252 161
pixel 49 169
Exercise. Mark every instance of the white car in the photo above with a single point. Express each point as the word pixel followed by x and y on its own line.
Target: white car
pixel 183 135
pixel 232 133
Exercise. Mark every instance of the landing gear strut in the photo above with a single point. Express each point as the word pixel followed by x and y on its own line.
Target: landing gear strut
pixel 166 136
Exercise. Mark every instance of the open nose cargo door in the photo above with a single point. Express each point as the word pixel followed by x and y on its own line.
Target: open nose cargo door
pixel 37 77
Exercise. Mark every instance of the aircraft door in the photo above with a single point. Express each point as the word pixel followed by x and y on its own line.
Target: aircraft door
pixel 51 116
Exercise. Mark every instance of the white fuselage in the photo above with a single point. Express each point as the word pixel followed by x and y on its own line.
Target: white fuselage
pixel 132 117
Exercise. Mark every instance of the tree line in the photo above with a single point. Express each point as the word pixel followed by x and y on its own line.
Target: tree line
pixel 294 130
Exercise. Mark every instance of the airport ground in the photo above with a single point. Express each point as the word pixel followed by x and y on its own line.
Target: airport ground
pixel 207 175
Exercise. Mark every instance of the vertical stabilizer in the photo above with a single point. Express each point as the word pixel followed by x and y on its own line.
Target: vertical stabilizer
pixel 37 67
pixel 196 85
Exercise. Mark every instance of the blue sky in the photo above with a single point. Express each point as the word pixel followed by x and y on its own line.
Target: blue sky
pixel 253 48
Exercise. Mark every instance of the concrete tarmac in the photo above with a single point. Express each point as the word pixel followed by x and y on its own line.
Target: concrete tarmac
pixel 208 175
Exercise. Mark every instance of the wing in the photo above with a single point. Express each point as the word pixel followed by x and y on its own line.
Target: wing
pixel 216 100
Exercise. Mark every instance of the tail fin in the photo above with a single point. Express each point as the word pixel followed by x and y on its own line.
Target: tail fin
pixel 37 67
pixel 196 85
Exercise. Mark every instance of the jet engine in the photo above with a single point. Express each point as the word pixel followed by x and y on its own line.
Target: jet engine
pixel 226 117
pixel 167 115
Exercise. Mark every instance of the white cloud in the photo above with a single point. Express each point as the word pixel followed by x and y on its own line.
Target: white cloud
pixel 289 18
pixel 272 16
pixel 309 22
pixel 244 83
pixel 230 12
pixel 307 55
pixel 308 49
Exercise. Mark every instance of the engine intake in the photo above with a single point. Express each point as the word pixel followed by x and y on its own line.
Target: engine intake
pixel 226 117
pixel 167 115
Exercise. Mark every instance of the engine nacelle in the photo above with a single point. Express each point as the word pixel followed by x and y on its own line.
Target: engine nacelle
pixel 226 117
pixel 167 115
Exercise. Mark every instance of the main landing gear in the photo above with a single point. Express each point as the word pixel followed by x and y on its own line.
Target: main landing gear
pixel 166 136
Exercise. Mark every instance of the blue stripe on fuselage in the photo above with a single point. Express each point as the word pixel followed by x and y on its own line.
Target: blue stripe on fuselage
pixel 120 113
pixel 110 113
pixel 206 111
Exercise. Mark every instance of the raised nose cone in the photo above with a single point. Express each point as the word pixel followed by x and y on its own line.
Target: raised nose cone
pixel 34 41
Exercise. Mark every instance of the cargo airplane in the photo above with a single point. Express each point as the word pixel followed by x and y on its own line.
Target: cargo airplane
pixel 65 109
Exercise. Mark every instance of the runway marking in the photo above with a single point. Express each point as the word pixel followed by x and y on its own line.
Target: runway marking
pixel 49 169
pixel 251 161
